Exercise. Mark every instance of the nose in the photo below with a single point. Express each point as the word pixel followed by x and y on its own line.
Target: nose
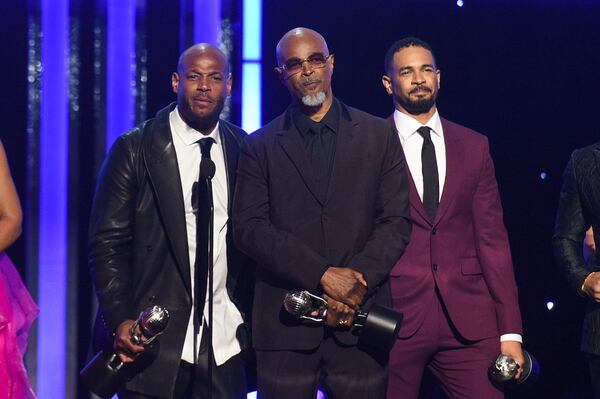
pixel 307 69
pixel 418 78
pixel 203 84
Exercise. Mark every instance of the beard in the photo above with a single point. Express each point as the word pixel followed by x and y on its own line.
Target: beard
pixel 202 123
pixel 419 106
pixel 314 100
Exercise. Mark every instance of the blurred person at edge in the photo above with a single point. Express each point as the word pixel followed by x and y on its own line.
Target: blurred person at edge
pixel 578 210
pixel 17 309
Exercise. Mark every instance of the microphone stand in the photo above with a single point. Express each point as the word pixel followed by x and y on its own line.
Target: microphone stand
pixel 208 173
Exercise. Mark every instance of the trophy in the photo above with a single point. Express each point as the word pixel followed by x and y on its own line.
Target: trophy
pixel 377 328
pixel 106 373
pixel 504 368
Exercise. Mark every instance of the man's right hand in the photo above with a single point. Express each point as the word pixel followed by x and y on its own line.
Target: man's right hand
pixel 591 286
pixel 338 313
pixel 123 345
pixel 345 285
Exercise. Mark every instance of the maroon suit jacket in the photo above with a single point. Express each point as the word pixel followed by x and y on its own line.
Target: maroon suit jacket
pixel 465 251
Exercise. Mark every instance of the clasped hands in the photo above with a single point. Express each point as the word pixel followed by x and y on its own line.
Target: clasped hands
pixel 344 290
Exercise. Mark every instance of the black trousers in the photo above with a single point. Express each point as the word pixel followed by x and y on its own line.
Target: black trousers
pixel 344 372
pixel 228 379
pixel 594 366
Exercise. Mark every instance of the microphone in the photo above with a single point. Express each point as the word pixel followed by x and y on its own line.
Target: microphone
pixel 503 370
pixel 106 373
pixel 377 328
pixel 207 168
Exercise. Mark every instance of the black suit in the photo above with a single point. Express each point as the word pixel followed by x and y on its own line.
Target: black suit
pixel 138 243
pixel 294 233
pixel 579 208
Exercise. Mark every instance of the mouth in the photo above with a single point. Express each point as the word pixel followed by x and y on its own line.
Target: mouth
pixel 202 100
pixel 421 90
pixel 311 84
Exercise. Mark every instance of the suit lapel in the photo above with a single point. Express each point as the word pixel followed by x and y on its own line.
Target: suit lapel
pixel 454 161
pixel 163 171
pixel 292 144
pixel 349 130
pixel 231 148
pixel 415 200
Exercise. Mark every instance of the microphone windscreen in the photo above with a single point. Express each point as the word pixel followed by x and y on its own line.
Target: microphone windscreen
pixel 207 168
pixel 153 320
pixel 297 303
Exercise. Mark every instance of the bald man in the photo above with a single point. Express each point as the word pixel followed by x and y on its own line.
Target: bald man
pixel 149 246
pixel 322 205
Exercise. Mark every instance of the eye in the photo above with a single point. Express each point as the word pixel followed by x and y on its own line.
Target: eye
pixel 292 65
pixel 405 72
pixel 428 69
pixel 316 60
pixel 192 76
pixel 216 78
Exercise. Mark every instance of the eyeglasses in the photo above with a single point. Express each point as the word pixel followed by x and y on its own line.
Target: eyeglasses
pixel 315 61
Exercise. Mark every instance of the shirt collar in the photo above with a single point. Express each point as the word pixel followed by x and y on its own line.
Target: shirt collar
pixel 304 123
pixel 187 134
pixel 407 125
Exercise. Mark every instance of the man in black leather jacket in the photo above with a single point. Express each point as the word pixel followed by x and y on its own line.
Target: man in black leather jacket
pixel 578 209
pixel 143 240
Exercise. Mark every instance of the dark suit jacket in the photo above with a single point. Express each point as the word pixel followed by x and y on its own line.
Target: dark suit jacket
pixel 138 243
pixel 464 251
pixel 578 209
pixel 293 234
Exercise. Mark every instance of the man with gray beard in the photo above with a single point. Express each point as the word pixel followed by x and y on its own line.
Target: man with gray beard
pixel 321 204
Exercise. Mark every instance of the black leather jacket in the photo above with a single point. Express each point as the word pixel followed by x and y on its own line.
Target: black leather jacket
pixel 138 253
pixel 579 208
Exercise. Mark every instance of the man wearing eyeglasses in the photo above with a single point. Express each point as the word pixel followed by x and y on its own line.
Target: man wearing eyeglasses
pixel 321 204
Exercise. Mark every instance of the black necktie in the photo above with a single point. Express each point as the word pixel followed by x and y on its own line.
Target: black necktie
pixel 431 185
pixel 202 225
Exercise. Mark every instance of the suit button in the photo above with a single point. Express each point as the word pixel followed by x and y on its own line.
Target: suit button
pixel 434 231
pixel 434 266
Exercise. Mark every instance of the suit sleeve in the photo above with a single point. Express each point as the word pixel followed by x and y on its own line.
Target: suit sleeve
pixel 493 250
pixel 569 230
pixel 392 226
pixel 110 240
pixel 274 249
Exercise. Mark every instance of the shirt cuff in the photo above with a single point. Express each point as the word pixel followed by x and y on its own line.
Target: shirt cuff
pixel 511 337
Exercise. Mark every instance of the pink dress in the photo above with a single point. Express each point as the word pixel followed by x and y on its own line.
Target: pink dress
pixel 17 313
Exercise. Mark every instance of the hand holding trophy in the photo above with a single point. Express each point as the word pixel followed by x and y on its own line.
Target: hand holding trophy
pixel 106 373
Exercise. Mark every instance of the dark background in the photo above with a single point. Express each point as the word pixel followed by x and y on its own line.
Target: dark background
pixel 522 72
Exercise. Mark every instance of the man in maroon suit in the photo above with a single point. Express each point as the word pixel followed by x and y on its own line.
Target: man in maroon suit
pixel 455 282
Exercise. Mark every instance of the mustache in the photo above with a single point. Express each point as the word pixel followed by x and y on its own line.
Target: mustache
pixel 202 96
pixel 307 82
pixel 421 88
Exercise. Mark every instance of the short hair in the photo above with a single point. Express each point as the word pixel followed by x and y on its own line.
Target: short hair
pixel 399 45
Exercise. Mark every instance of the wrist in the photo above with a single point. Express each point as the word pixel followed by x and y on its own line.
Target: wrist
pixel 585 280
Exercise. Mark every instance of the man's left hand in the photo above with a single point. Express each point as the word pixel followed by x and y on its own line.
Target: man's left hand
pixel 514 350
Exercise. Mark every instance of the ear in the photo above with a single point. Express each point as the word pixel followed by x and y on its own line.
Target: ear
pixel 387 84
pixel 228 84
pixel 175 82
pixel 438 76
pixel 279 72
pixel 332 61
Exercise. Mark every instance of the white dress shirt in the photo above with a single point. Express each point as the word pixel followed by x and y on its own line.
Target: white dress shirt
pixel 226 316
pixel 412 142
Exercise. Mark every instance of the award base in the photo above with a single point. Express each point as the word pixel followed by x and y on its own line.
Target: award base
pixel 379 327
pixel 104 374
